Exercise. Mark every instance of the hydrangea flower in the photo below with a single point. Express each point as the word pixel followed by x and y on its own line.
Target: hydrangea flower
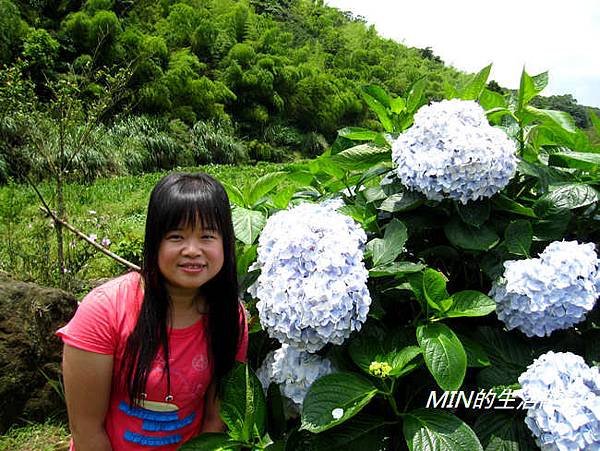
pixel 555 291
pixel 294 371
pixel 312 288
pixel 451 150
pixel 563 398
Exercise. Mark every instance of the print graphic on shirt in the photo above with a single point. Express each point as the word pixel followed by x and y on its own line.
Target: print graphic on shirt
pixel 158 417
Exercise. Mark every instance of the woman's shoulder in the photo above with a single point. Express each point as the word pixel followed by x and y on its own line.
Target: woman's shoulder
pixel 125 287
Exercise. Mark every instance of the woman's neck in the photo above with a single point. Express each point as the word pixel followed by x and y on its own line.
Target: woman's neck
pixel 186 308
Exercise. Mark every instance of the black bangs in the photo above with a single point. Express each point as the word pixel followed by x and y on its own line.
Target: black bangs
pixel 180 200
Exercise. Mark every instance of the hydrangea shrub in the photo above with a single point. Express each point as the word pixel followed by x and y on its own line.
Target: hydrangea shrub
pixel 294 372
pixel 551 292
pixel 452 151
pixel 563 397
pixel 312 285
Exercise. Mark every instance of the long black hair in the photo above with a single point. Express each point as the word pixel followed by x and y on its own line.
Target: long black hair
pixel 182 199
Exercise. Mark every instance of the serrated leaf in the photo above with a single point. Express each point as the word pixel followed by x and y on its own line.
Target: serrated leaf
pixel 504 203
pixel 247 224
pixel 476 85
pixel 474 213
pixel 263 185
pixel 566 197
pixel 243 405
pixel 435 430
pixel 385 250
pixel 518 237
pixel 471 238
pixel 362 157
pixel 551 117
pixel 395 269
pixel 530 86
pixel 346 391
pixel 586 161
pixel 358 133
pixel 380 110
pixel 415 95
pixel 434 288
pixel 401 202
pixel 500 431
pixel 470 303
pixel 444 355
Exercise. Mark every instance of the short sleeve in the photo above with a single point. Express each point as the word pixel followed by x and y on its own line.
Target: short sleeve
pixel 92 327
pixel 242 350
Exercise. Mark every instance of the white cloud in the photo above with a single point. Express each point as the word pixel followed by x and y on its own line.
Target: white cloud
pixel 561 37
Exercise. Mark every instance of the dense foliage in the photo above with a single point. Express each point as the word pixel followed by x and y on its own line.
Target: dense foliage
pixel 433 367
pixel 284 75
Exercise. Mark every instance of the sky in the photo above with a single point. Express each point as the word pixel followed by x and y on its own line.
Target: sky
pixel 551 35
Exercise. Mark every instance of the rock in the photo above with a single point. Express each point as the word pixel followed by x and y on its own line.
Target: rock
pixel 30 353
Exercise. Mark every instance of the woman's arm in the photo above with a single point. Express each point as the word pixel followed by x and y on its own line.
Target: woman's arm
pixel 212 421
pixel 87 377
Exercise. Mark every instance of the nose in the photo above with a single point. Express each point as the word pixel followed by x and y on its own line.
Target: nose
pixel 192 248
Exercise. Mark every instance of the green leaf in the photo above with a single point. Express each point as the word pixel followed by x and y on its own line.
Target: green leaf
pixel 504 203
pixel 444 355
pixel 211 441
pixel 552 227
pixel 345 391
pixel 491 99
pixel 518 236
pixel 378 93
pixel 503 431
pixel 434 288
pixel 247 224
pixel 435 430
pixel 393 243
pixel 476 85
pixel 357 434
pixel 470 303
pixel 476 355
pixel 474 213
pixel 395 269
pixel 594 119
pixel 393 350
pixel 471 238
pixel 530 87
pixel 243 406
pixel 235 195
pixel 358 134
pixel 586 161
pixel 566 197
pixel 263 185
pixel 380 110
pixel 360 158
pixel 415 96
pixel 401 202
pixel 397 105
pixel 551 117
pixel 275 413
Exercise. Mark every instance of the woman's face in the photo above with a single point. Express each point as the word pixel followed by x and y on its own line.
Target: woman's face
pixel 189 257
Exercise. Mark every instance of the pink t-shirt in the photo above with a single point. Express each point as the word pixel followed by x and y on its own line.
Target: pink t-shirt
pixel 102 323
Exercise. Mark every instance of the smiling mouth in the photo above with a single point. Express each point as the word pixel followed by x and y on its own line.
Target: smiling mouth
pixel 194 267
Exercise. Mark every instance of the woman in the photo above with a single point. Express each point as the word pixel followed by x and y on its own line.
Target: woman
pixel 145 353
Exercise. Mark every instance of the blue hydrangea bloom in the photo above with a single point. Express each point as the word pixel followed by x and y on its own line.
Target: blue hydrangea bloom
pixel 312 288
pixel 294 372
pixel 452 151
pixel 562 396
pixel 555 291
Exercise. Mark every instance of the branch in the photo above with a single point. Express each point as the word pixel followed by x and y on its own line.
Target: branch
pixel 84 237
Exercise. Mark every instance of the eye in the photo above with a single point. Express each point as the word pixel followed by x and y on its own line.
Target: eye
pixel 173 236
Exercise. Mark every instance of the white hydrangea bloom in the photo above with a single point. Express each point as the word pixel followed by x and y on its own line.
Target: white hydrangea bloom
pixel 555 291
pixel 294 371
pixel 312 289
pixel 562 394
pixel 452 151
